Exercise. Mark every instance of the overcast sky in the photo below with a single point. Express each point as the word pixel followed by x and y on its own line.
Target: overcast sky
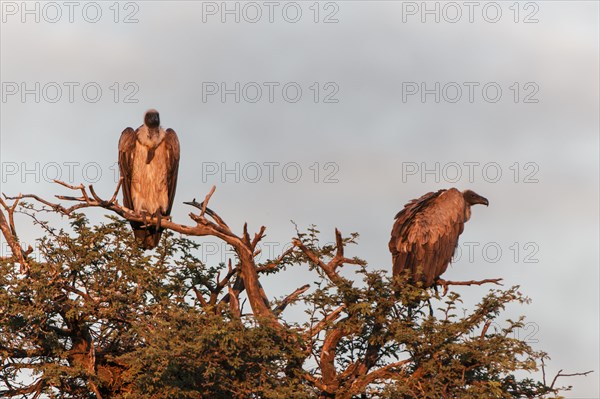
pixel 337 114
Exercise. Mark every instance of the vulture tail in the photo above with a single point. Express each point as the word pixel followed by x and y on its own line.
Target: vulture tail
pixel 146 238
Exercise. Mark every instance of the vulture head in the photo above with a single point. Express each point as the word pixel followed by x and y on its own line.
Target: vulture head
pixel 151 119
pixel 472 198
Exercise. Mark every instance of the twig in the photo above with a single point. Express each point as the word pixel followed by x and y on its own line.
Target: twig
pixel 206 199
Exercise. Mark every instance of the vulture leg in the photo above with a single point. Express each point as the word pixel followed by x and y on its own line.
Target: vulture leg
pixel 144 218
pixel 430 308
pixel 157 231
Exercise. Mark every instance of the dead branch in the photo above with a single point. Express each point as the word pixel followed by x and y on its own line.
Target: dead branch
pixel 391 370
pixel 206 199
pixel 485 328
pixel 221 284
pixel 36 387
pixel 234 303
pixel 327 359
pixel 289 299
pixel 560 374
pixel 11 214
pixel 10 234
pixel 205 210
pixel 274 264
pixel 447 283
pixel 330 267
pixel 257 237
pixel 199 297
pixel 238 287
pixel 325 321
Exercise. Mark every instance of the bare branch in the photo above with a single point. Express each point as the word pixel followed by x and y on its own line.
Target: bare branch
pixel 327 360
pixel 200 297
pixel 273 265
pixel 258 236
pixel 223 283
pixel 485 328
pixel 9 233
pixel 389 371
pixel 246 237
pixel 447 283
pixel 338 260
pixel 207 211
pixel 326 320
pixel 289 299
pixel 36 387
pixel 560 374
pixel 234 303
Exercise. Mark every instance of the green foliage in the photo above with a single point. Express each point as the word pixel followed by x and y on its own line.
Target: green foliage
pixel 96 316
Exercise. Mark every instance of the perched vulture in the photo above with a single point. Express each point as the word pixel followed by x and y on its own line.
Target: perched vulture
pixel 148 162
pixel 426 232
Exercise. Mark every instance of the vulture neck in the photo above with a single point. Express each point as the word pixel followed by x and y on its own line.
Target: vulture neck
pixel 467 212
pixel 150 137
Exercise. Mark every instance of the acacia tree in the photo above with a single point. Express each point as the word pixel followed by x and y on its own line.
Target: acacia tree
pixel 93 316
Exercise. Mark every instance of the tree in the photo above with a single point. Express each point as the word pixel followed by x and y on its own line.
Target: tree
pixel 93 316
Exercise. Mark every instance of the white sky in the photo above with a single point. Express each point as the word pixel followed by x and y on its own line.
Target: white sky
pixel 365 146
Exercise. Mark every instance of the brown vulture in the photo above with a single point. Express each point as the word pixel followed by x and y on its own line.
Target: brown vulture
pixel 426 232
pixel 148 162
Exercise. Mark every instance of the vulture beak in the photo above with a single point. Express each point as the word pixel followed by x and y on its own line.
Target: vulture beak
pixel 483 201
pixel 472 198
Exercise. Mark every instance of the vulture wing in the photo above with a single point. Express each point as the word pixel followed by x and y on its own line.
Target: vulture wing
pixel 126 152
pixel 425 235
pixel 172 144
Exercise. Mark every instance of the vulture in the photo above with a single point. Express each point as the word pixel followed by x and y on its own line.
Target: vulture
pixel 425 233
pixel 148 163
